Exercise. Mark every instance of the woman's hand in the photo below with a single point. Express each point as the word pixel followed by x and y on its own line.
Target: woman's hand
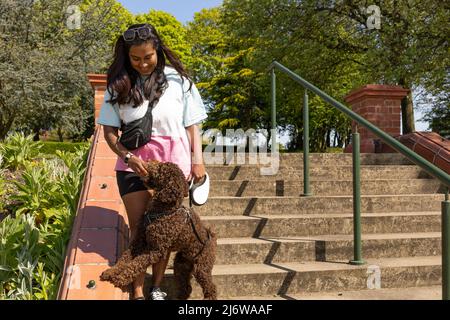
pixel 138 166
pixel 198 168
pixel 197 172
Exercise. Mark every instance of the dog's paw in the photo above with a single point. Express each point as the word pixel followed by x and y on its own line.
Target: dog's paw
pixel 108 275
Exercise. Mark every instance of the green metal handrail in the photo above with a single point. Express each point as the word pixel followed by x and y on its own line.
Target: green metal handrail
pixel 411 155
pixel 386 138
pixel 356 171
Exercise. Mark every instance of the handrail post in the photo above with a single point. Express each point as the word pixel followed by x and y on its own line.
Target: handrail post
pixel 306 191
pixel 445 247
pixel 274 104
pixel 357 259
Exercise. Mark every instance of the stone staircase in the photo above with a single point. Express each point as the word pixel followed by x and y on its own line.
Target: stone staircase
pixel 275 244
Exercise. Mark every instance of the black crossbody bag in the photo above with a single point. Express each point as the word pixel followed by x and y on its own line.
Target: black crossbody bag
pixel 138 132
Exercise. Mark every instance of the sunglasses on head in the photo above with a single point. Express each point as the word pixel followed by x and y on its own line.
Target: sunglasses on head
pixel 142 32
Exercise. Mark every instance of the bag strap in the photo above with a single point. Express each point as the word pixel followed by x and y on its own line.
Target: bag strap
pixel 148 113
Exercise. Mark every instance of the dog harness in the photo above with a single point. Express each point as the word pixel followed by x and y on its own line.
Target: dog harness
pixel 150 217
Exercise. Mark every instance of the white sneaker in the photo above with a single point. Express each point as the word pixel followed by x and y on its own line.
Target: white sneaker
pixel 157 294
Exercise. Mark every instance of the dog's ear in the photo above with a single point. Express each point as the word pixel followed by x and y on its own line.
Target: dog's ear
pixel 152 168
pixel 173 183
pixel 168 195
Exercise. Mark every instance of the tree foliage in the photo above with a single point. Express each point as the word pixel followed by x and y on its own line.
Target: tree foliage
pixel 227 50
pixel 172 32
pixel 271 32
pixel 44 61
pixel 45 56
pixel 331 44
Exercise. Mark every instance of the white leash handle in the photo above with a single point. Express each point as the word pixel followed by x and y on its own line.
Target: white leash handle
pixel 198 193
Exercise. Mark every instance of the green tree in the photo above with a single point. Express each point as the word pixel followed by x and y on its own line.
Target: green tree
pixel 438 115
pixel 232 91
pixel 330 44
pixel 408 48
pixel 278 30
pixel 209 43
pixel 172 32
pixel 44 60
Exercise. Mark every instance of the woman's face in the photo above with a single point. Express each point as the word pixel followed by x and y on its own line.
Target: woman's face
pixel 143 58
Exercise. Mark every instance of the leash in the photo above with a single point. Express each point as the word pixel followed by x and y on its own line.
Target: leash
pixel 204 243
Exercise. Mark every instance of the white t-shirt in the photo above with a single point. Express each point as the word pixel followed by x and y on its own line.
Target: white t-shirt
pixel 176 109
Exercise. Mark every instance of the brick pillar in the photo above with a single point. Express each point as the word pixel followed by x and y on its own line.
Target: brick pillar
pixel 379 104
pixel 98 83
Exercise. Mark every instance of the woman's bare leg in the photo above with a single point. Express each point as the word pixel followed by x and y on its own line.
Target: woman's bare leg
pixel 135 204
pixel 158 270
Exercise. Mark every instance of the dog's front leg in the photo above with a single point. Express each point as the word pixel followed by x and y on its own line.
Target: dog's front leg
pixel 112 273
pixel 117 274
pixel 126 271
pixel 130 270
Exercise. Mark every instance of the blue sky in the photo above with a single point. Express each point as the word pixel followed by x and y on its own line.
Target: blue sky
pixel 183 10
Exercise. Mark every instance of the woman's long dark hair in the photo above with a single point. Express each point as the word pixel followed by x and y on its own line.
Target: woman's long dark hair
pixel 122 77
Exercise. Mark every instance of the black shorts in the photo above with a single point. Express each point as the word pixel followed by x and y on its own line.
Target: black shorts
pixel 129 182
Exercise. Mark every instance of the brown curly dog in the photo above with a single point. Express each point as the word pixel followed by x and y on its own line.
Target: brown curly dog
pixel 169 226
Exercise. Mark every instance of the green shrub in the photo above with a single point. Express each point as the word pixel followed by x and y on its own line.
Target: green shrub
pixel 29 264
pixel 11 236
pixel 33 240
pixel 2 191
pixel 70 184
pixel 36 194
pixel 335 150
pixel 17 149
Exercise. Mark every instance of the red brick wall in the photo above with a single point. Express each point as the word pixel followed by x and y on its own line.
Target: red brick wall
pixel 379 104
pixel 98 82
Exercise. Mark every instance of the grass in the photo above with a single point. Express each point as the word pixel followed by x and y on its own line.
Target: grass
pixel 50 147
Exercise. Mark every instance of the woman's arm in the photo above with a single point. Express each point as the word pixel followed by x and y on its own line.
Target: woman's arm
pixel 198 168
pixel 111 135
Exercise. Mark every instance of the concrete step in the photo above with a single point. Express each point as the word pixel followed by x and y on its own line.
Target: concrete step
pixel 413 293
pixel 322 224
pixel 319 172
pixel 294 278
pixel 296 159
pixel 255 188
pixel 324 248
pixel 255 206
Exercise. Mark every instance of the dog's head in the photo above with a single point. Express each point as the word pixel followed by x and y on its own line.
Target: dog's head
pixel 167 181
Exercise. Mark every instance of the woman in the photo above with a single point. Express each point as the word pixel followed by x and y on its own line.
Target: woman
pixel 140 77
